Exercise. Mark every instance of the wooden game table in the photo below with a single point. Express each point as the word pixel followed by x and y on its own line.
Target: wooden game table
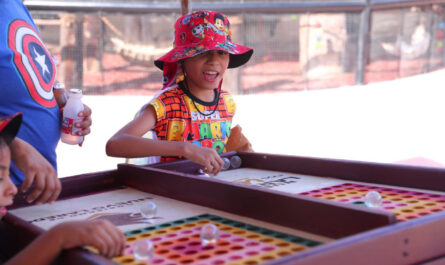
pixel 350 234
pixel 400 183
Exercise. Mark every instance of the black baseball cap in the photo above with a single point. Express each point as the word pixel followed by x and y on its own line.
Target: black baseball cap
pixel 9 126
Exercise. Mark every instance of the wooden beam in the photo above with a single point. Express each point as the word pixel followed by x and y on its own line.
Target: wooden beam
pixel 185 7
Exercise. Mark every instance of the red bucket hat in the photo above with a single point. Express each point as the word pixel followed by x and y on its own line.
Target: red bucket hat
pixel 9 126
pixel 199 32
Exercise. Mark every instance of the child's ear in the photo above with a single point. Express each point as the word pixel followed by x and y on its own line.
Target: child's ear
pixel 181 67
pixel 180 73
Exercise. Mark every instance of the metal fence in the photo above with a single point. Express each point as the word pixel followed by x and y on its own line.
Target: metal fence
pixel 108 47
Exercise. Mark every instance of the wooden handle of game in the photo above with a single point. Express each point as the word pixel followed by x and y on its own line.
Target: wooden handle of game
pixel 238 141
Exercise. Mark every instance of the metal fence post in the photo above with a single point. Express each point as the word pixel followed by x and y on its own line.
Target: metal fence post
pixel 363 51
pixel 185 7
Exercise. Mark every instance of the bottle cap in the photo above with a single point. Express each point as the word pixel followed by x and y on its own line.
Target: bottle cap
pixel 76 91
pixel 59 85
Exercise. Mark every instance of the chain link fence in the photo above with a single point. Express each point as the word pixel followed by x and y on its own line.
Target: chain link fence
pixel 298 45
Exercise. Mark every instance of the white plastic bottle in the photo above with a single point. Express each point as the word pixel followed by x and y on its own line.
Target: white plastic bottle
pixel 72 108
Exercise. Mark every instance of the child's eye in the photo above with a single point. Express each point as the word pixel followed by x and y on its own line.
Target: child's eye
pixel 222 53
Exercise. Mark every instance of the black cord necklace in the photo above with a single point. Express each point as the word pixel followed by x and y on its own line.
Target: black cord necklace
pixel 184 83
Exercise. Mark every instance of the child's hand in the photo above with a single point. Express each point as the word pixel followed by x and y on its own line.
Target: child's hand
pixel 86 123
pixel 208 158
pixel 100 234
pixel 39 173
pixel 238 141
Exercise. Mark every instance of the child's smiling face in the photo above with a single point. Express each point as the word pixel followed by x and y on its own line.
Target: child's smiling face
pixel 204 71
pixel 7 188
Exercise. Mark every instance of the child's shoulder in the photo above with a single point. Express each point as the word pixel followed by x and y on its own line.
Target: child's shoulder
pixel 226 94
pixel 169 93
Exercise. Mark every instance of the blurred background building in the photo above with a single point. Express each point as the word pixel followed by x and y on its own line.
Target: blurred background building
pixel 108 47
pixel 352 79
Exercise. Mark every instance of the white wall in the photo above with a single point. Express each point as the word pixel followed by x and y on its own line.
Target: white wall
pixel 382 122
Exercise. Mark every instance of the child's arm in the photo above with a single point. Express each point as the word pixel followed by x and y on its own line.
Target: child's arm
pixel 39 173
pixel 128 142
pixel 101 234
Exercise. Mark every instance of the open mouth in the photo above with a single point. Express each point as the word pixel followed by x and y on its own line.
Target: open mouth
pixel 210 76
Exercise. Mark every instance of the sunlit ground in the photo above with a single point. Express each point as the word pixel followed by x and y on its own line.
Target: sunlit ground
pixel 393 121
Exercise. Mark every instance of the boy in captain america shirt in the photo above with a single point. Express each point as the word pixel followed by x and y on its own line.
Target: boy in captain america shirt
pixel 27 76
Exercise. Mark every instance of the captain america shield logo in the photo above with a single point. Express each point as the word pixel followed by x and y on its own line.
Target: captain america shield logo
pixel 33 62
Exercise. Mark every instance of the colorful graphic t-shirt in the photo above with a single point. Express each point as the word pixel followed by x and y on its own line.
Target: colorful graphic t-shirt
pixel 183 117
pixel 27 74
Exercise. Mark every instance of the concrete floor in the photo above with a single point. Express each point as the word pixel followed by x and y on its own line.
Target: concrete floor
pixel 400 121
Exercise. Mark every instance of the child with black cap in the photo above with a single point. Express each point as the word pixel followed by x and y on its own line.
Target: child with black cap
pixel 101 234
